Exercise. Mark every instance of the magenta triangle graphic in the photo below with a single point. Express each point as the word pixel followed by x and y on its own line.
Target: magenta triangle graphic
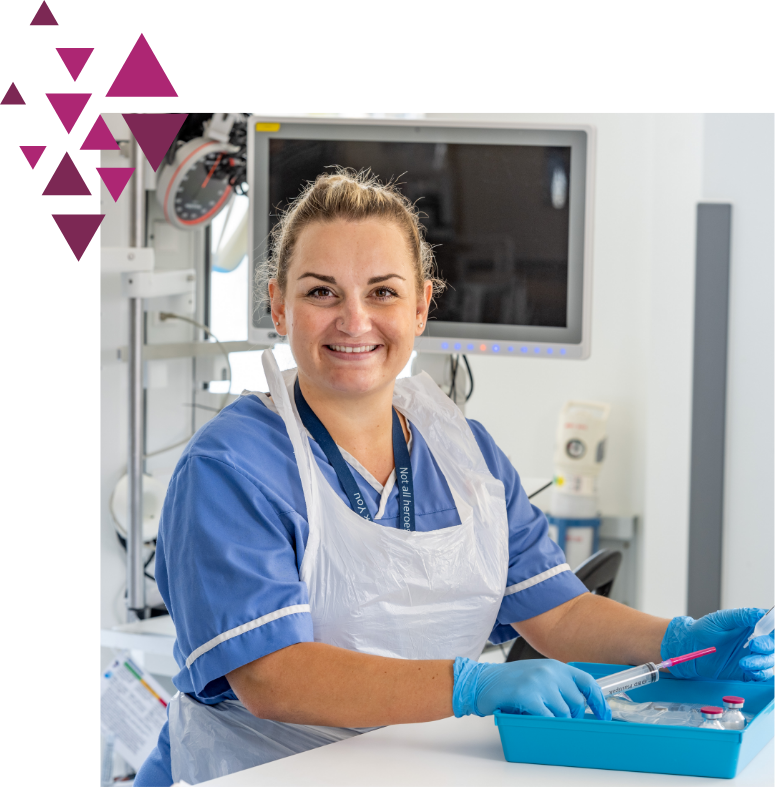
pixel 78 229
pixel 141 76
pixel 155 134
pixel 66 181
pixel 13 96
pixel 115 179
pixel 68 106
pixel 74 59
pixel 100 137
pixel 44 16
pixel 33 153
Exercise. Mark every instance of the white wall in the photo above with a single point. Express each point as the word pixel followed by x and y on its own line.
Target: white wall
pixel 651 171
pixel 648 180
pixel 738 168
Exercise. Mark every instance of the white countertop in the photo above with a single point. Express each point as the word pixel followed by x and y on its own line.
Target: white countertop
pixel 149 641
pixel 152 635
pixel 453 751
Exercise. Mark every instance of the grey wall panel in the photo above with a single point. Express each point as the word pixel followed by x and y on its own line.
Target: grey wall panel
pixel 706 503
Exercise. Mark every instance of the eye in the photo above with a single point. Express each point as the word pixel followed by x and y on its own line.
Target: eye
pixel 320 292
pixel 384 293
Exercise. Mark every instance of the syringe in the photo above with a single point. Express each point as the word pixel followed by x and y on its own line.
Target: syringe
pixel 644 674
pixel 764 625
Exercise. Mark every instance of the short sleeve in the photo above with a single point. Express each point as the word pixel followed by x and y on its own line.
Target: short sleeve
pixel 228 574
pixel 539 578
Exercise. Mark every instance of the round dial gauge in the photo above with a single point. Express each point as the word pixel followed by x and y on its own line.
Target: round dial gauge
pixel 191 190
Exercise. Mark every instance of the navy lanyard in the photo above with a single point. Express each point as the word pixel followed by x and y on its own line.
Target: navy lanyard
pixel 400 456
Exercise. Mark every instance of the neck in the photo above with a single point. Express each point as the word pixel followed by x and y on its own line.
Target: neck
pixel 362 425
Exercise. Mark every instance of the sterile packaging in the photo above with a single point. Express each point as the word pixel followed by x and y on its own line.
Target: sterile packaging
pixel 673 714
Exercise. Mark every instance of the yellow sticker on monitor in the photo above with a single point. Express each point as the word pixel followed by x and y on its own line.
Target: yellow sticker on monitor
pixel 267 126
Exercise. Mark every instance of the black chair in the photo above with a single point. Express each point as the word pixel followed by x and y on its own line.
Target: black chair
pixel 598 574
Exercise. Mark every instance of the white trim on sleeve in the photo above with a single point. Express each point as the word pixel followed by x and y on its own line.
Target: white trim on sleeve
pixel 245 627
pixel 528 583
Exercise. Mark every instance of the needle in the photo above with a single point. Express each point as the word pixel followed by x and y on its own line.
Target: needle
pixel 688 657
pixel 212 169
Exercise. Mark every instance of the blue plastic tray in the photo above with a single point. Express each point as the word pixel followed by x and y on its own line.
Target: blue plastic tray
pixel 650 748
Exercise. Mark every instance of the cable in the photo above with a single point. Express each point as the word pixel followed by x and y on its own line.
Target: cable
pixel 232 167
pixel 470 376
pixel 538 491
pixel 453 361
pixel 171 316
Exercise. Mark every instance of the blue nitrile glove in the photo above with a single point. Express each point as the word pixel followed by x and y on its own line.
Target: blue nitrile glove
pixel 536 687
pixel 727 630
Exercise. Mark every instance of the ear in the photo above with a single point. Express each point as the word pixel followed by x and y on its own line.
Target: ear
pixel 423 305
pixel 277 303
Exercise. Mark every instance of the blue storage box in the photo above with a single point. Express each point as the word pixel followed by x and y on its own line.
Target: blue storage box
pixel 650 748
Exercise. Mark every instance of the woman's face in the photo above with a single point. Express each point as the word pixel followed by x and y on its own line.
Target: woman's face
pixel 351 309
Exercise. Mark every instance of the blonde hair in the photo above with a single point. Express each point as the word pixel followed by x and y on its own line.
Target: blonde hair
pixel 351 196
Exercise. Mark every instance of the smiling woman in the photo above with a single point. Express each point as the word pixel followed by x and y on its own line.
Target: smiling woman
pixel 350 281
pixel 336 554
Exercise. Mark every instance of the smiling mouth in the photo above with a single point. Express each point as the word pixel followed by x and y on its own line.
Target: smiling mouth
pixel 343 348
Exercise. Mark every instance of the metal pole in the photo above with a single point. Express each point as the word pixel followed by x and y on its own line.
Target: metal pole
pixel 135 574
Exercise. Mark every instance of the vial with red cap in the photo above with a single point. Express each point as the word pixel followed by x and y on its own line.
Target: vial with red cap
pixel 733 718
pixel 711 717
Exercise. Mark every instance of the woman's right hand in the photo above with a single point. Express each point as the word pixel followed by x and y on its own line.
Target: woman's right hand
pixel 536 687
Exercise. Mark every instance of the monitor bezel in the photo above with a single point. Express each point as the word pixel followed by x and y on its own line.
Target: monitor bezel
pixel 572 341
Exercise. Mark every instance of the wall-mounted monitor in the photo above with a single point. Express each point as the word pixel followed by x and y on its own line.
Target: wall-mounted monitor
pixel 508 209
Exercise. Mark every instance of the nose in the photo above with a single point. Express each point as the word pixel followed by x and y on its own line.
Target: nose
pixel 353 318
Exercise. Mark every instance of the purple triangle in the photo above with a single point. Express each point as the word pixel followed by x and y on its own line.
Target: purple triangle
pixel 115 179
pixel 13 96
pixel 33 153
pixel 78 229
pixel 141 76
pixel 68 107
pixel 66 181
pixel 100 137
pixel 155 134
pixel 74 59
pixel 44 16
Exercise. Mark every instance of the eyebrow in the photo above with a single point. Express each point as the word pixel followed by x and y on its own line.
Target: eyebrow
pixel 329 279
pixel 332 280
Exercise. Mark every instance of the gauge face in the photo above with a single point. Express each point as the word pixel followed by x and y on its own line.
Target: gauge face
pixel 199 192
pixel 195 187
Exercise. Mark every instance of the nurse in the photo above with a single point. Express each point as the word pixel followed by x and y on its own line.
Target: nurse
pixel 335 554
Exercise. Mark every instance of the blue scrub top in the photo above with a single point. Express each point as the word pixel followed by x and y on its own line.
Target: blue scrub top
pixel 234 529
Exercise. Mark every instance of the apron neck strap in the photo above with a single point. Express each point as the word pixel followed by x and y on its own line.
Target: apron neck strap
pixel 403 463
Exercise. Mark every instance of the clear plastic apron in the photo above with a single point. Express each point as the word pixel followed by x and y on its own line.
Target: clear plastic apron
pixel 372 589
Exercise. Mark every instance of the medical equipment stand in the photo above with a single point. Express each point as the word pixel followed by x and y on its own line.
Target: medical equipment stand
pixel 135 574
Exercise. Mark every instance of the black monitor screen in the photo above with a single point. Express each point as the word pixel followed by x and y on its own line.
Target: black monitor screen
pixel 496 215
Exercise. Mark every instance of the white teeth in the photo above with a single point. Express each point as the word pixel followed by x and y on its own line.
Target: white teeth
pixel 340 348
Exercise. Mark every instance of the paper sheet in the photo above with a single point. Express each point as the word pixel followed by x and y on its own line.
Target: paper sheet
pixel 133 708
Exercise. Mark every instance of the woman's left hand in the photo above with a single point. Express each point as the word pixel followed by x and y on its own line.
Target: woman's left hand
pixel 726 630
